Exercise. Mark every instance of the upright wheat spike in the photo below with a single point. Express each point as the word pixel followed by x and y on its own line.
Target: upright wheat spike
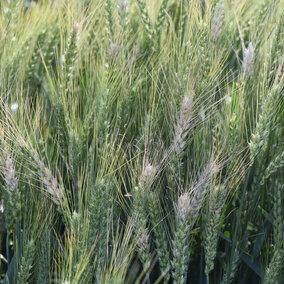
pixel 51 45
pixel 181 239
pixel 109 20
pixel 146 20
pixel 233 133
pixel 161 18
pixel 248 60
pixel 51 185
pixel 217 20
pixel 248 56
pixel 216 203
pixel 160 237
pixel 35 59
pixel 275 268
pixel 26 265
pixel 278 215
pixel 183 124
pixel 276 265
pixel 142 234
pixel 123 13
pixel 49 181
pixel 277 48
pixel 179 141
pixel 144 247
pixel 147 176
pixel 276 164
pixel 264 123
pixel 232 269
pixel 99 212
pixel 187 210
pixel 140 213
pixel 9 174
pixel 200 189
pixel 69 57
pixel 43 271
pixel 261 133
pixel 184 11
pixel 12 195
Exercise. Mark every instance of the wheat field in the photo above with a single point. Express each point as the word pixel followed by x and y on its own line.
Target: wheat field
pixel 142 141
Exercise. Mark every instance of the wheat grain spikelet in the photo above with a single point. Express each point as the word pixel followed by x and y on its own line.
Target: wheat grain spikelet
pixel 183 124
pixel 248 60
pixel 217 20
pixel 9 174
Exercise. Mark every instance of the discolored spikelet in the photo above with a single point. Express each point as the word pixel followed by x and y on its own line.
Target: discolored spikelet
pixel 183 124
pixel 217 20
pixel 187 210
pixel 9 174
pixel 183 207
pixel 147 176
pixel 248 60
pixel 200 189
pixel 49 181
pixel 12 196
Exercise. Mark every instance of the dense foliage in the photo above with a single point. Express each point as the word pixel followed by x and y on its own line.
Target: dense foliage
pixel 141 141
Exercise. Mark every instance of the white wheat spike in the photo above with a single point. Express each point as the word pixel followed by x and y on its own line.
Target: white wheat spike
pixel 183 124
pixel 9 174
pixel 248 60
pixel 217 20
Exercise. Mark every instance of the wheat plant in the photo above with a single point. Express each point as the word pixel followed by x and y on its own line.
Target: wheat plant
pixel 141 141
